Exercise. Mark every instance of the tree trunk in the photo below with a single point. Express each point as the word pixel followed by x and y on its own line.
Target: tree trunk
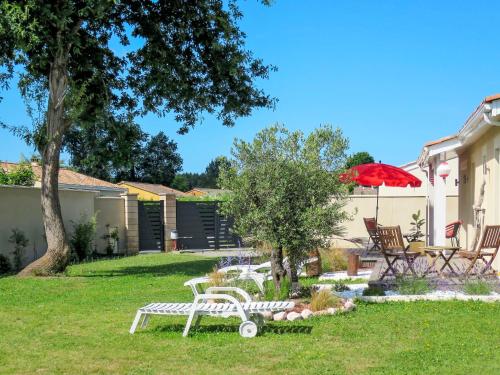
pixel 277 270
pixel 57 255
pixel 294 277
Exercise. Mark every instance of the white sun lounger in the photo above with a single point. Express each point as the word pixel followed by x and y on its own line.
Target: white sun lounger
pixel 259 268
pixel 202 305
pixel 246 272
pixel 258 278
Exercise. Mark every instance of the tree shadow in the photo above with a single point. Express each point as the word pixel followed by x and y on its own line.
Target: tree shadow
pixel 189 268
pixel 232 328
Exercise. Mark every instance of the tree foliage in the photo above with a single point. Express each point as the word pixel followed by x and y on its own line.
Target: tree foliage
pixel 285 190
pixel 106 148
pixel 115 148
pixel 355 159
pixel 76 60
pixel 207 179
pixel 359 158
pixel 159 160
pixel 20 175
pixel 180 182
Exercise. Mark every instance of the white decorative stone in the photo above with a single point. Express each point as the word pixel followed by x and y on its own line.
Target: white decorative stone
pixel 306 313
pixel 349 306
pixel 331 310
pixel 267 315
pixel 291 316
pixel 280 316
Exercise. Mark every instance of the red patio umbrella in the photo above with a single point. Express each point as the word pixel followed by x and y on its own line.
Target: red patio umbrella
pixel 377 174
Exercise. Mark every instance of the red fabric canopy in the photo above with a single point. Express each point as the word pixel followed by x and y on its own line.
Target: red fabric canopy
pixel 376 174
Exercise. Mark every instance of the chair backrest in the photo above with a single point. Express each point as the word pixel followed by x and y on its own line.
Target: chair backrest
pixel 391 238
pixel 370 223
pixel 491 237
pixel 452 229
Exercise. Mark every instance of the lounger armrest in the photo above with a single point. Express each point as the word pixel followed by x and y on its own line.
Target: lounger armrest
pixel 240 291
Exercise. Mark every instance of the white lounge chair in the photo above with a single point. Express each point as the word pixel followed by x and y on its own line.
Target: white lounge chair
pixel 245 272
pixel 258 278
pixel 202 305
pixel 259 268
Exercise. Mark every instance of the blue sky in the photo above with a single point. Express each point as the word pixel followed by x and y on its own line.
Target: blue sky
pixel 392 74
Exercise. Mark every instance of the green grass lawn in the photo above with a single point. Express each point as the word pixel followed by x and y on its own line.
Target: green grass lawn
pixel 79 325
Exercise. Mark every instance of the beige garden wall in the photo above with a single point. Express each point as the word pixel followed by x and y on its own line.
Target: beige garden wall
pixel 20 208
pixel 110 214
pixel 393 210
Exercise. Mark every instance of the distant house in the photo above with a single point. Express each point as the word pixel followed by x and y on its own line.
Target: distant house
pixel 477 146
pixel 71 180
pixel 149 192
pixel 206 192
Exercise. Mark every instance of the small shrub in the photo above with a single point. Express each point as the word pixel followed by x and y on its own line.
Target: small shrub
pixel 21 175
pixel 270 294
pixel 269 290
pixel 247 285
pixel 374 290
pixel 303 291
pixel 284 292
pixel 82 237
pixel 112 238
pixel 413 285
pixel 323 299
pixel 19 240
pixel 333 259
pixel 5 267
pixel 477 287
pixel 340 286
pixel 216 278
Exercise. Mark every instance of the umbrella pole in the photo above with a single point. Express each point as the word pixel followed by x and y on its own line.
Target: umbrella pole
pixel 376 210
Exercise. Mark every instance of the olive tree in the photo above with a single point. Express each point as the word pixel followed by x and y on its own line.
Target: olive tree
pixel 76 59
pixel 285 191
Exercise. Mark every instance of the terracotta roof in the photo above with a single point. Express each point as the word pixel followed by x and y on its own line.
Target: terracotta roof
pixel 209 191
pixel 154 188
pixel 66 176
pixel 491 98
pixel 440 140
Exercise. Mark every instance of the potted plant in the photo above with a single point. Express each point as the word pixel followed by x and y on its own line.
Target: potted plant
pixel 416 235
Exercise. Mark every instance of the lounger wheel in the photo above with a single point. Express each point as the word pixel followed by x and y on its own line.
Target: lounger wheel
pixel 248 329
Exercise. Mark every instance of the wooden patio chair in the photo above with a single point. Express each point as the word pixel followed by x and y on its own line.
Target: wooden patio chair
pixel 488 248
pixel 372 229
pixel 452 231
pixel 394 249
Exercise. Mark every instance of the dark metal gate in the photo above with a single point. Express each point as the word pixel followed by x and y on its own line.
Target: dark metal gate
pixel 151 232
pixel 200 226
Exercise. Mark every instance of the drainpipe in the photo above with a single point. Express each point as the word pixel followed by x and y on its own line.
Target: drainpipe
pixel 426 171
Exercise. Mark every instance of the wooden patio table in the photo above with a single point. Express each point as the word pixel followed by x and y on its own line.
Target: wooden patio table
pixel 437 252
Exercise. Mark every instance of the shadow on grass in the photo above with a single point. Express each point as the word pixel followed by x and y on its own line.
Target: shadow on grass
pixel 221 328
pixel 189 268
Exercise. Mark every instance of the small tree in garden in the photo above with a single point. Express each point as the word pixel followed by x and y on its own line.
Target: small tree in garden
pixel 20 241
pixel 286 191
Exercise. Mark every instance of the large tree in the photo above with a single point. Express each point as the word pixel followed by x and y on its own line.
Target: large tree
pixel 108 148
pixel 206 179
pixel 285 191
pixel 359 158
pixel 159 160
pixel 179 56
pixel 213 169
pixel 115 148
